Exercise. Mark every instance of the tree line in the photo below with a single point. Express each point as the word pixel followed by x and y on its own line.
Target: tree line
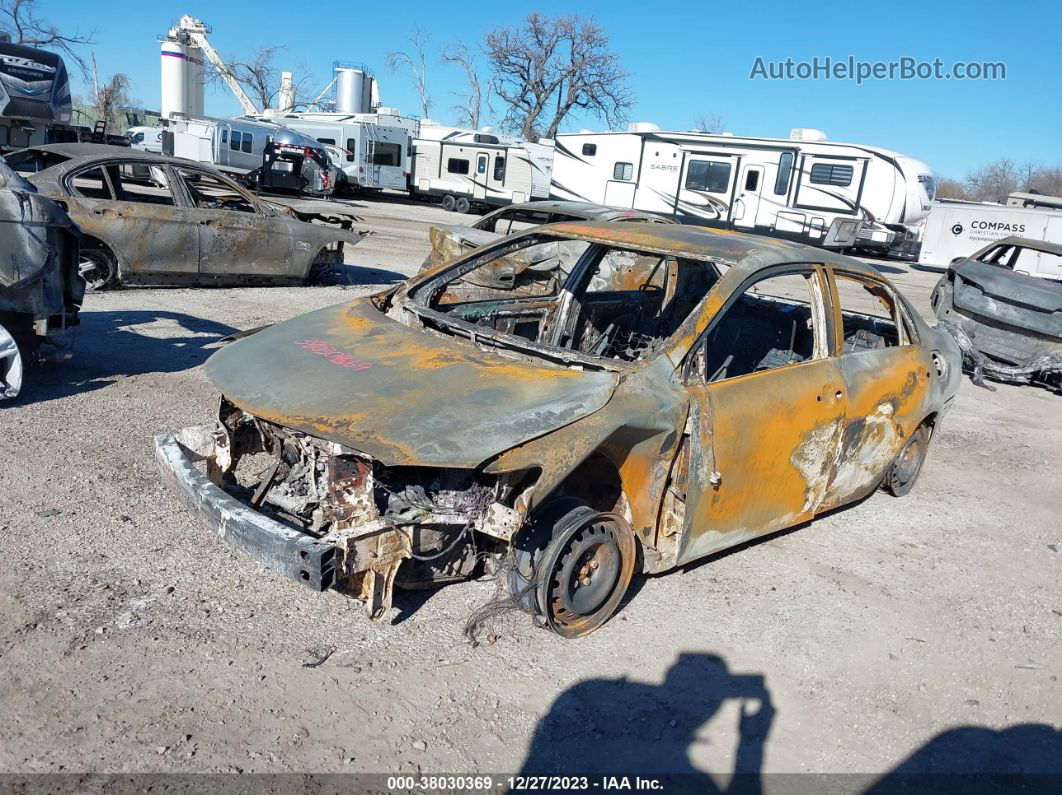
pixel 996 181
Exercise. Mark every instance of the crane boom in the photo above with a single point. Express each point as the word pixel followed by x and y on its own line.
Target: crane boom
pixel 192 31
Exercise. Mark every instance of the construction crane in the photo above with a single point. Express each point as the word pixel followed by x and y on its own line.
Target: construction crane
pixel 191 32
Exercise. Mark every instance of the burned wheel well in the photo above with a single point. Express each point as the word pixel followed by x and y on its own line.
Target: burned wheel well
pixel 597 481
pixel 88 241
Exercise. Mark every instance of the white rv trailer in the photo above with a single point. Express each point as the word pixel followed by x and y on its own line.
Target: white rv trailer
pixel 466 168
pixel 957 228
pixel 377 145
pixel 802 188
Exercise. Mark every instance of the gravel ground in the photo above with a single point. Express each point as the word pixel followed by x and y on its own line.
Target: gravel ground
pixel 869 640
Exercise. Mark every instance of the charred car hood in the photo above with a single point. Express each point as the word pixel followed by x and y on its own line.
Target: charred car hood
pixel 1026 302
pixel 405 396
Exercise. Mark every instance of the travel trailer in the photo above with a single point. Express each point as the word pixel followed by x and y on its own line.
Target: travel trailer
pixel 376 146
pixel 35 105
pixel 957 228
pixel 468 168
pixel 803 188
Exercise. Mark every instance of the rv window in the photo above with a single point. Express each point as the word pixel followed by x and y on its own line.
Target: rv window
pixel 331 141
pixel 752 180
pixel 234 141
pixel 624 171
pixel 708 176
pixel 831 174
pixel 589 150
pixel 785 168
pixel 456 165
pixel 481 165
pixel 91 185
pixel 351 148
pixel 246 145
pixel 499 169
pixel 390 155
pixel 225 135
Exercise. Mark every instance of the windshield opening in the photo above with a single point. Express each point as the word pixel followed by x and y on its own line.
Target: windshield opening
pixel 591 301
pixel 30 161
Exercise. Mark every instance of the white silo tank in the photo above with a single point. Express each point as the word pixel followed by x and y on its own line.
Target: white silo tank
pixel 194 82
pixel 350 90
pixel 174 57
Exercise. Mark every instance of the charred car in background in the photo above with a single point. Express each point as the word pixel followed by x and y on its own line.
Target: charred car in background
pixel 1003 305
pixel 40 287
pixel 451 240
pixel 151 219
pixel 571 404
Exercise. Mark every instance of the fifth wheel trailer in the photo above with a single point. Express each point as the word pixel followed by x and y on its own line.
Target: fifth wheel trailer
pixel 35 105
pixel 469 168
pixel 803 188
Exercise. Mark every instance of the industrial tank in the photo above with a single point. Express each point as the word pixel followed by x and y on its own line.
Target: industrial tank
pixel 174 58
pixel 352 91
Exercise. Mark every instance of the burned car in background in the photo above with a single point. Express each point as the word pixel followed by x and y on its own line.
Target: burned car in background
pixel 40 287
pixel 155 220
pixel 660 393
pixel 1003 305
pixel 451 240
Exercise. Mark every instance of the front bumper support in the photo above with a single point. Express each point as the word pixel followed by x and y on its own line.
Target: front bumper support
pixel 297 555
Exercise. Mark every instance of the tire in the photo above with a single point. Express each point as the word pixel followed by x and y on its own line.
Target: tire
pixel 462 205
pixel 448 203
pixel 904 471
pixel 578 563
pixel 98 268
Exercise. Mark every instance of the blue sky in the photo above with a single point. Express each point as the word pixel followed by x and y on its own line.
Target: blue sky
pixel 685 58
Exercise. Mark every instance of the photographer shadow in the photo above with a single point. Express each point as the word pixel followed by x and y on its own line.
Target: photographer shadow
pixel 606 727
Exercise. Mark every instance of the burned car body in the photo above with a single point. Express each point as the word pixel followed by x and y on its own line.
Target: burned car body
pixel 1004 307
pixel 451 240
pixel 150 219
pixel 40 287
pixel 570 403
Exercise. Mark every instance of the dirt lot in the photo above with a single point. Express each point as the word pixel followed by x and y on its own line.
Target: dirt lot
pixel 132 640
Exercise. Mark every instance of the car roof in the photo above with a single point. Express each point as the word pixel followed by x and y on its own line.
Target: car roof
pixel 735 249
pixel 86 151
pixel 586 209
pixel 1045 246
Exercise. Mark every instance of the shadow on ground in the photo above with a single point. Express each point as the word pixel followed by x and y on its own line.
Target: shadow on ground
pixel 357 275
pixel 110 345
pixel 624 728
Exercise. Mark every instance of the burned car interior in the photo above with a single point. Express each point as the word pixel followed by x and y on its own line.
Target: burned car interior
pixel 603 302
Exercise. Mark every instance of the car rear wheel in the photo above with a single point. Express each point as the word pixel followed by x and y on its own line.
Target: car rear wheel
pixel 98 268
pixel 904 471
pixel 448 203
pixel 462 205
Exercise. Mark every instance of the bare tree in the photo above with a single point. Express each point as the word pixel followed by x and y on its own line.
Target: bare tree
pixel 18 18
pixel 709 123
pixel 110 97
pixel 951 189
pixel 547 68
pixel 469 112
pixel 417 64
pixel 996 181
pixel 260 77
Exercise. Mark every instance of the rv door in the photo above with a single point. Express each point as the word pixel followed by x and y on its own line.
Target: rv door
pixel 706 188
pixel 479 179
pixel 747 204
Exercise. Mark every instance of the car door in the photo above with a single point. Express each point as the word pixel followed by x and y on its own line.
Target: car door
pixel 767 401
pixel 887 374
pixel 236 238
pixel 133 208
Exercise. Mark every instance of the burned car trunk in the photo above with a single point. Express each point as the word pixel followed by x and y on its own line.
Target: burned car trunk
pixel 1007 322
pixel 40 287
pixel 565 405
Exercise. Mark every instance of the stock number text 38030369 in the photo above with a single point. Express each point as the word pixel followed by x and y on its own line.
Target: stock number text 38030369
pixel 520 783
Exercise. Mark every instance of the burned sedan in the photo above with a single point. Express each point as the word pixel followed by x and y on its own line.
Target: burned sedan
pixel 150 219
pixel 40 288
pixel 567 405
pixel 451 240
pixel 1003 305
